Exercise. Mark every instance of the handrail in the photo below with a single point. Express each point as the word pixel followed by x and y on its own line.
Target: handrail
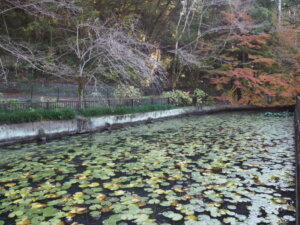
pixel 297 157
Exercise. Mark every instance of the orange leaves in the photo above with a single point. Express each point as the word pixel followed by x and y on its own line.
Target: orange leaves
pixel 244 73
pixel 288 48
pixel 251 41
pixel 238 84
pixel 238 18
pixel 257 65
pixel 220 80
pixel 268 61
pixel 255 87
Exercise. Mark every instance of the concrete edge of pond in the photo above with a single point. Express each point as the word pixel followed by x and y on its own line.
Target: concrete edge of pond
pixel 45 130
pixel 297 158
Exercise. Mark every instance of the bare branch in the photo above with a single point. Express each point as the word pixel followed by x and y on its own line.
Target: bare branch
pixel 42 7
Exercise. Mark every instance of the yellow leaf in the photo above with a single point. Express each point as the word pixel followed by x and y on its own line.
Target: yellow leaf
pixel 77 210
pixel 173 202
pixel 118 193
pixel 141 204
pixel 159 191
pixel 109 185
pixel 178 190
pixel 52 196
pixel 179 207
pixel 191 218
pixel 187 196
pixel 10 193
pixel 37 205
pixel 106 209
pixel 10 185
pixel 70 215
pixel 17 201
pixel 101 197
pixel 23 222
pixel 94 184
pixel 77 195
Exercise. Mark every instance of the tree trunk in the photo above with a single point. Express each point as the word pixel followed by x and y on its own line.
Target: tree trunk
pixel 279 11
pixel 80 90
pixel 176 71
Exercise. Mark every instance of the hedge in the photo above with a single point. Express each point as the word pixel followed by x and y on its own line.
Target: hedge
pixel 32 115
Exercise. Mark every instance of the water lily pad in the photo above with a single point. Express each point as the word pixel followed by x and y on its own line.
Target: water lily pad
pixel 173 216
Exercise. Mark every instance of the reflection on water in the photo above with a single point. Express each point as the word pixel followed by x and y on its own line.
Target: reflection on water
pixel 219 169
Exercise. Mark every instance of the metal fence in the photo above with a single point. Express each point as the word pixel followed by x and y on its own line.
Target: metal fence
pixel 297 147
pixel 15 106
pixel 63 91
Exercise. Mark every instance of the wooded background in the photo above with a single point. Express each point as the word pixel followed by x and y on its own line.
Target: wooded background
pixel 242 51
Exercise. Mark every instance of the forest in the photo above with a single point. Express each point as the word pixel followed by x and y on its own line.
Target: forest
pixel 240 51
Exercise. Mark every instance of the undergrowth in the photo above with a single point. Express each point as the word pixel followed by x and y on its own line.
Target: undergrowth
pixel 32 115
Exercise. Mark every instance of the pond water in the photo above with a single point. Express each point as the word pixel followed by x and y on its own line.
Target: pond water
pixel 215 169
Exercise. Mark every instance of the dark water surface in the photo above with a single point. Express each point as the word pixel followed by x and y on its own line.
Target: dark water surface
pixel 208 170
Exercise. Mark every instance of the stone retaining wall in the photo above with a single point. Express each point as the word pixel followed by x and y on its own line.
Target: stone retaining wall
pixel 13 133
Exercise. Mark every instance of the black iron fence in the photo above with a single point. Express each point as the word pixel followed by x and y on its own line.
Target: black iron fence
pixel 34 92
pixel 15 106
pixel 297 147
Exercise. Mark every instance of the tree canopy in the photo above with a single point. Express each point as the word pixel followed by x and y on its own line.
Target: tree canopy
pixel 242 51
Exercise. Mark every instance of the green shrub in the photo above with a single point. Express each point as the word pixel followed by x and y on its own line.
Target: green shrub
pixel 124 91
pixel 178 98
pixel 209 101
pixel 94 111
pixel 32 115
pixel 119 110
pixel 200 95
pixel 12 100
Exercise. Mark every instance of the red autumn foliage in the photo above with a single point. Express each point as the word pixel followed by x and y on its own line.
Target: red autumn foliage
pixel 251 77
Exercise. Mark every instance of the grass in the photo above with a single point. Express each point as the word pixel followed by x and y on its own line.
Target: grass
pixel 120 110
pixel 32 115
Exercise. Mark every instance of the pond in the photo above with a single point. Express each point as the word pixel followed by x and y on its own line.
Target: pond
pixel 200 170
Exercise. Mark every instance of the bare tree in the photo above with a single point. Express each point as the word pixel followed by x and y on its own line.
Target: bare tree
pixel 193 46
pixel 90 51
pixel 3 71
pixel 279 11
pixel 95 49
pixel 100 49
pixel 48 8
pixel 188 53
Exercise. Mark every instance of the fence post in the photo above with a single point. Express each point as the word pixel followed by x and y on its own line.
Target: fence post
pixel 47 105
pixel 31 92
pixel 168 101
pixel 152 101
pixel 132 102
pixel 108 102
pixel 57 94
pixel 195 101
